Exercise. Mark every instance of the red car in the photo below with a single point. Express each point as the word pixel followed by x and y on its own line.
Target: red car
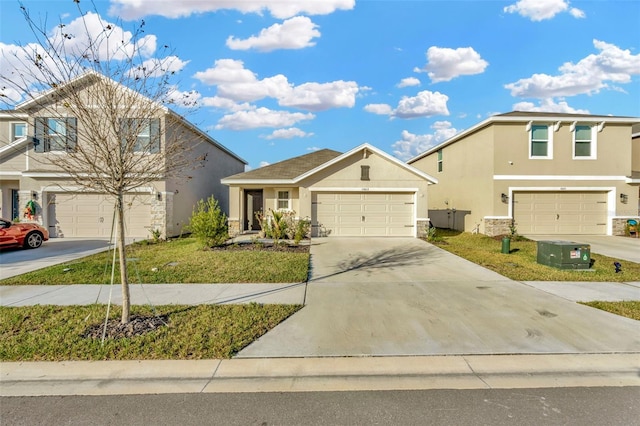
pixel 27 235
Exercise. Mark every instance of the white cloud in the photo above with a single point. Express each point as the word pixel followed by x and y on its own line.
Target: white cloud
pixel 411 144
pixel 157 67
pixel 134 9
pixel 380 109
pixel 264 163
pixel 588 76
pixel 538 10
pixel 408 82
pixel 425 104
pixel 225 104
pixel 185 99
pixel 240 84
pixel 321 96
pixel 107 40
pixel 548 105
pixel 313 148
pixel 294 33
pixel 290 133
pixel 444 64
pixel 261 117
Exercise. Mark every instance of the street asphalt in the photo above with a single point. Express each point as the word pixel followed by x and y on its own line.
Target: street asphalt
pixel 386 314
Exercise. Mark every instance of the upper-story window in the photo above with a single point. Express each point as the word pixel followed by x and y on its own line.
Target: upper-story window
pixel 146 132
pixel 18 130
pixel 283 202
pixel 584 142
pixel 540 141
pixel 439 160
pixel 55 134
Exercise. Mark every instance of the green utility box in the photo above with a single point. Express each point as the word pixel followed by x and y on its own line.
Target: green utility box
pixel 564 254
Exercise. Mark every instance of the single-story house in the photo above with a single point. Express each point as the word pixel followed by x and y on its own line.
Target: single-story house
pixel 363 192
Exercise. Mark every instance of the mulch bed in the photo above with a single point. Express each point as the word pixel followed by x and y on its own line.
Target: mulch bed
pixel 250 246
pixel 137 326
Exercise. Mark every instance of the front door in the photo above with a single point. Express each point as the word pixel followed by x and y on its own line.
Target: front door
pixel 252 205
pixel 15 205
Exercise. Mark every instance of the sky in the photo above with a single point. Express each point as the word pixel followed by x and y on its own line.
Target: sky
pixel 278 79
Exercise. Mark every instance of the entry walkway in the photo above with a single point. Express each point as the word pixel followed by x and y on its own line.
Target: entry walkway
pixel 403 296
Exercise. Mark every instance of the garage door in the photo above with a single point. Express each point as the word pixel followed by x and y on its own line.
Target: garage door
pixel 91 215
pixel 351 214
pixel 540 213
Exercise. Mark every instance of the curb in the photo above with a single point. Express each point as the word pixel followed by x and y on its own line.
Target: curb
pixel 318 374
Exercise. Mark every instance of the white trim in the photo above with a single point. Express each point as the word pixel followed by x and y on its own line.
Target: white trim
pixel 352 189
pixel 593 143
pixel 558 177
pixel 289 199
pixel 13 146
pixel 550 133
pixel 497 217
pixel 567 118
pixel 610 190
pixel 3 173
pixel 262 182
pixel 631 180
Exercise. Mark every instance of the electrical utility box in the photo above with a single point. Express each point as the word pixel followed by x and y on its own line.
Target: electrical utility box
pixel 564 254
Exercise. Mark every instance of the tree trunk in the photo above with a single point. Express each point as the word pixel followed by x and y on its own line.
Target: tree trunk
pixel 126 302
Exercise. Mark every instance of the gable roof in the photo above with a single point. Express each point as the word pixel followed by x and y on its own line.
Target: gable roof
pixel 93 75
pixel 526 116
pixel 296 169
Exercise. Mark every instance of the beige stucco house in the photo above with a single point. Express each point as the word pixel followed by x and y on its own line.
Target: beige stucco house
pixel 363 192
pixel 545 173
pixel 68 210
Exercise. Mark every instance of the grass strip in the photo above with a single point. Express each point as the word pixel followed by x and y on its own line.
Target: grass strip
pixel 521 264
pixel 629 309
pixel 55 333
pixel 175 262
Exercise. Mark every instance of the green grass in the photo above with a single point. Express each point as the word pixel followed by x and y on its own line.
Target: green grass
pixel 629 309
pixel 521 263
pixel 55 333
pixel 177 261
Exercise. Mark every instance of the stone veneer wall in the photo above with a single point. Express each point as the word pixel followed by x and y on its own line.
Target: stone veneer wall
pixel 423 226
pixel 493 227
pixel 234 227
pixel 619 225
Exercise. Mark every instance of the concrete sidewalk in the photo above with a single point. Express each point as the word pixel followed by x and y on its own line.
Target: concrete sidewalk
pixel 318 374
pixel 153 294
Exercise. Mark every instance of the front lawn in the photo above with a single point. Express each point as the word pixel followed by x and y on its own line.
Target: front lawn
pixel 177 261
pixel 56 333
pixel 629 309
pixel 521 263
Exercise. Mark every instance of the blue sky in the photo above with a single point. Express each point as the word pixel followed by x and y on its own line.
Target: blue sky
pixel 280 79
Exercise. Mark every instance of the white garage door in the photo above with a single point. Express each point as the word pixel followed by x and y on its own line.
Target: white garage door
pixel 540 213
pixel 355 214
pixel 91 215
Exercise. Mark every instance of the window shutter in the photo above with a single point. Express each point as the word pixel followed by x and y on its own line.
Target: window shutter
pixel 154 135
pixel 72 133
pixel 38 140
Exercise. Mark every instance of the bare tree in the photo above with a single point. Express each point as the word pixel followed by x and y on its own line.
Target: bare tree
pixel 112 88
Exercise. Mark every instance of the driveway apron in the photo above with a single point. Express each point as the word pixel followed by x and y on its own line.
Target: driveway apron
pixel 403 296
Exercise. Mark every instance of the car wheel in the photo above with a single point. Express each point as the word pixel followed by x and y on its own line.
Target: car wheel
pixel 33 240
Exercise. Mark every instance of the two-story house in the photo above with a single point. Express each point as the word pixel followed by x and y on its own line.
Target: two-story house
pixel 40 132
pixel 544 173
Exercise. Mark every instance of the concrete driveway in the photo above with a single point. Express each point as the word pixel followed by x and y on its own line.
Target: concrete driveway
pixel 403 296
pixel 57 250
pixel 625 248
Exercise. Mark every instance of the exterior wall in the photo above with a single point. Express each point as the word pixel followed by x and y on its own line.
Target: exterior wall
pixel 465 183
pixel 202 182
pixel 14 160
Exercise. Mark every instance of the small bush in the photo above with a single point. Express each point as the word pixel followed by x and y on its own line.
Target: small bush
pixel 283 224
pixel 208 225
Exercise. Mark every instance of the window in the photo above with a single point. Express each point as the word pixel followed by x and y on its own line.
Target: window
pixel 145 131
pixel 439 160
pixel 540 142
pixel 18 130
pixel 55 134
pixel 283 200
pixel 584 142
pixel 364 173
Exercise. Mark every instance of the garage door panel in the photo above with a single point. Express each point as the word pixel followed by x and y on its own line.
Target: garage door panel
pixel 560 212
pixel 364 214
pixel 91 215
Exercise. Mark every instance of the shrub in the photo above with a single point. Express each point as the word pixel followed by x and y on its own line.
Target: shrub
pixel 302 228
pixel 283 224
pixel 208 224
